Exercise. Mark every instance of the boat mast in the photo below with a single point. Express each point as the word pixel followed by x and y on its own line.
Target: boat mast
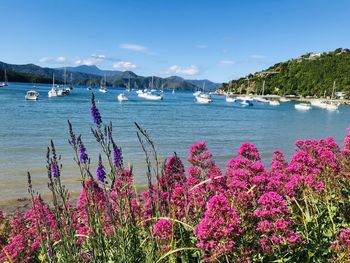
pixel 5 77
pixel 65 77
pixel 333 90
pixel 53 80
pixel 263 88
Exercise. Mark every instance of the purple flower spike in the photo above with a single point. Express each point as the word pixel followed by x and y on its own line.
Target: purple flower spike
pixel 55 170
pixel 117 155
pixel 82 150
pixel 94 111
pixel 100 172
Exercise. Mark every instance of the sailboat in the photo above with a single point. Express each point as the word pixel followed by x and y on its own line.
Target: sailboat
pixel 173 92
pixel 331 105
pixel 153 94
pixel 122 96
pixel 230 98
pixel 261 98
pixel 103 88
pixel 53 91
pixel 4 84
pixel 203 98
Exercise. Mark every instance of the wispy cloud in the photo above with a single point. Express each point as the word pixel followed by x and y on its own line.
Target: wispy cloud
pixel 53 60
pixel 226 62
pixel 184 71
pixel 257 56
pixel 201 46
pixel 136 48
pixel 126 65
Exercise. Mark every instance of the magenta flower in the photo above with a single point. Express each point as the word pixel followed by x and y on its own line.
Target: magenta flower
pixel 162 230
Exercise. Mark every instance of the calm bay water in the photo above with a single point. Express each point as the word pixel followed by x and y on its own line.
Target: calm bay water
pixel 26 128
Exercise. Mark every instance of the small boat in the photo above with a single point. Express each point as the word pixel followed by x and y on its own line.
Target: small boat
pixel 245 98
pixel 31 95
pixel 59 91
pixel 173 92
pixel 332 106
pixel 5 83
pixel 230 99
pixel 284 99
pixel 103 88
pixel 261 100
pixel 153 96
pixel 274 102
pixel 203 98
pixel 319 104
pixel 302 106
pixel 246 103
pixel 122 97
pixel 52 92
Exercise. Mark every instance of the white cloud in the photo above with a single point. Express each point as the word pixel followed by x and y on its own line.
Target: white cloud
pixel 189 71
pixel 92 60
pixel 137 48
pixel 53 60
pixel 201 46
pixel 257 56
pixel 124 65
pixel 226 62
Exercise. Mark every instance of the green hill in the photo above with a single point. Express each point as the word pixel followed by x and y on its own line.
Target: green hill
pixel 308 75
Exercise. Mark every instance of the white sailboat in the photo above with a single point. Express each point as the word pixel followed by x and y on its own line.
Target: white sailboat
pixel 203 98
pixel 230 98
pixel 274 102
pixel 261 98
pixel 53 91
pixel 103 88
pixel 5 83
pixel 331 106
pixel 153 94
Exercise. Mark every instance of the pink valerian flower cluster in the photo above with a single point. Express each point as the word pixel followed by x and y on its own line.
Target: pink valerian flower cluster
pixel 219 229
pixel 274 225
pixel 163 230
pixel 342 243
pixel 24 240
pixel 200 156
pixel 249 151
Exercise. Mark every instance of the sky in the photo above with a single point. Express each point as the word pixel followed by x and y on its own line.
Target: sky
pixel 199 39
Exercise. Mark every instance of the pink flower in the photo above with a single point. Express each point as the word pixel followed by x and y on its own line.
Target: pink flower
pixel 162 230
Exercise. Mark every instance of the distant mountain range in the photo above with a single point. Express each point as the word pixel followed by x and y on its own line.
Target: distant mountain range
pixel 83 75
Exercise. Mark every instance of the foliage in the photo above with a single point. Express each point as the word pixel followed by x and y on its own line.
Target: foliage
pixel 289 212
pixel 308 75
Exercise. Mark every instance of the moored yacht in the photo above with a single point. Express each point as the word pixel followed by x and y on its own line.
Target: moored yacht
pixel 52 92
pixel 230 99
pixel 203 98
pixel 274 102
pixel 122 97
pixel 302 106
pixel 31 95
pixel 4 84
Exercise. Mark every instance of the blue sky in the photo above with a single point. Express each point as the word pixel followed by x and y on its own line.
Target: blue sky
pixel 218 40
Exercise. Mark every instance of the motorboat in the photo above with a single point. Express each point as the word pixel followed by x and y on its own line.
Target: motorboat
pixel 302 106
pixel 274 102
pixel 32 95
pixel 203 98
pixel 230 99
pixel 102 90
pixel 246 103
pixel 122 97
